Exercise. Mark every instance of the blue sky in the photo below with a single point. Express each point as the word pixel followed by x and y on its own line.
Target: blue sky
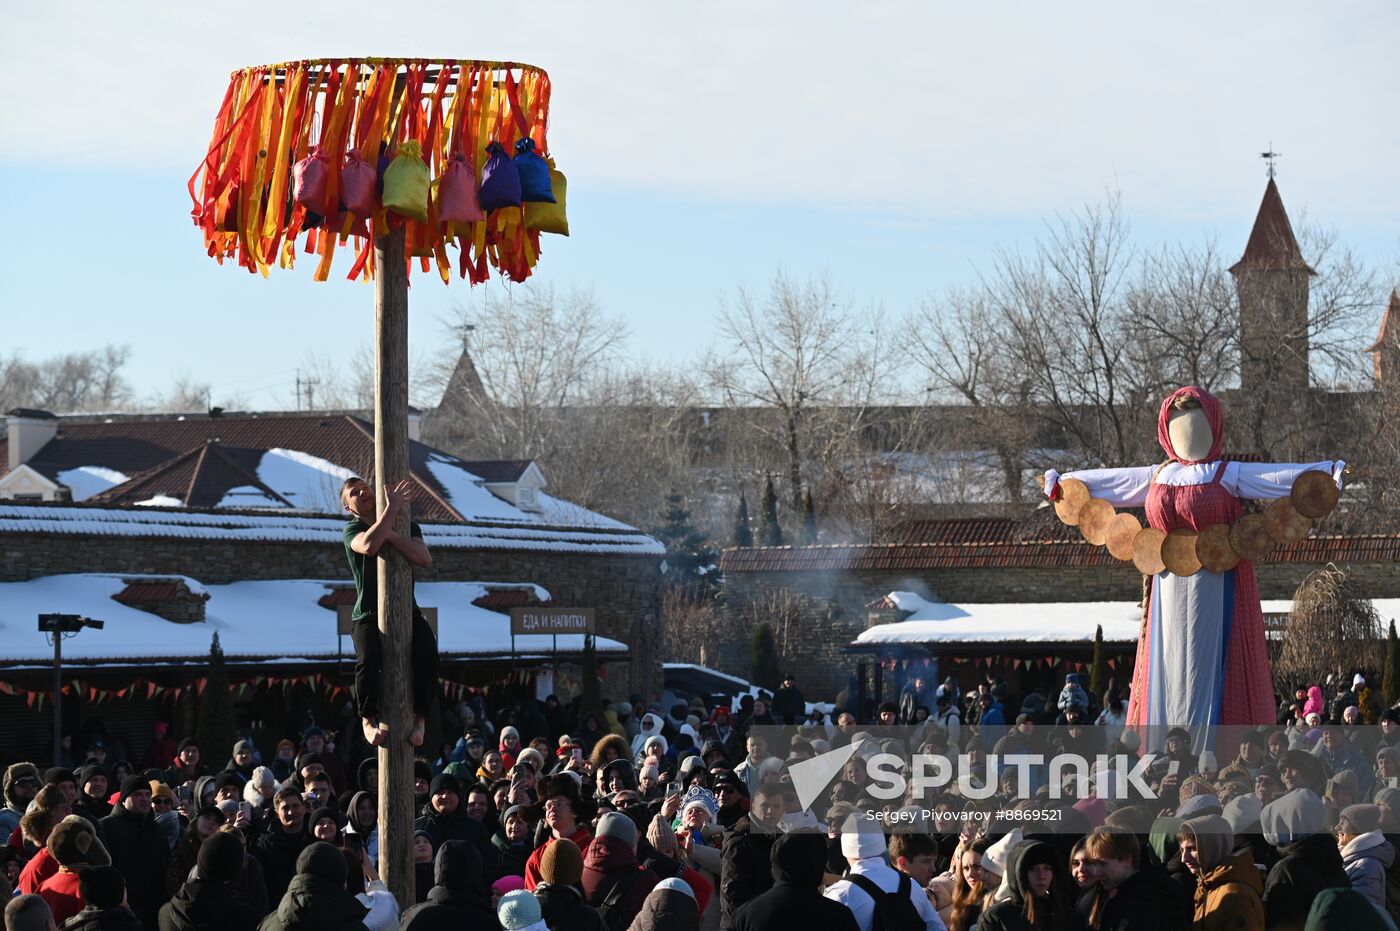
pixel 892 146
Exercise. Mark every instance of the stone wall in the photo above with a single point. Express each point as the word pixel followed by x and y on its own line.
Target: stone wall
pixel 625 590
pixel 825 611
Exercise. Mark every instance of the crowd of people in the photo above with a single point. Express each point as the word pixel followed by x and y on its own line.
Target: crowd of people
pixel 538 815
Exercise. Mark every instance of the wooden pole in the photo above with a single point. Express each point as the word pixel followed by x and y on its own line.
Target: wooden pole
pixel 395 574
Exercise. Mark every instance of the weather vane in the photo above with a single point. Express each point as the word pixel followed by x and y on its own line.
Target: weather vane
pixel 1270 156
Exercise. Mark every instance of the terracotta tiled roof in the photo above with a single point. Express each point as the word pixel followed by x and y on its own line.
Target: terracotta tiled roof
pixel 155 591
pixel 200 478
pixel 963 530
pixel 1271 245
pixel 503 599
pixel 903 557
pixel 340 596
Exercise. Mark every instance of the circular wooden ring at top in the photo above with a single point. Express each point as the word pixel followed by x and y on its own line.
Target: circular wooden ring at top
pixel 1179 553
pixel 1249 537
pixel 1285 524
pixel 1122 530
pixel 1314 494
pixel 1214 551
pixel 1074 494
pixel 1093 520
pixel 1147 551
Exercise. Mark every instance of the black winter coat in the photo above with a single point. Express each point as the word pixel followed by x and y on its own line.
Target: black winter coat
pixel 104 919
pixel 316 904
pixel 460 900
pixel 139 851
pixel 457 826
pixel 1010 915
pixel 745 869
pixel 1308 866
pixel 201 905
pixel 563 909
pixel 1147 901
pixel 277 852
pixel 509 859
pixel 794 901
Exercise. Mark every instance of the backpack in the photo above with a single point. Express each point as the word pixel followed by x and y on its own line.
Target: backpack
pixel 894 911
pixel 608 910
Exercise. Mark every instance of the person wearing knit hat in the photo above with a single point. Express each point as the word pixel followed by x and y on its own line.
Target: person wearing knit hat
pixel 1387 798
pixel 562 864
pixel 63 778
pixel 520 911
pixel 1094 809
pixel 187 766
pixel 1366 854
pixel 445 816
pixel 995 860
pixel 509 745
pixel 208 900
pixel 284 757
pixel 458 898
pixel 317 896
pixel 138 848
pixel 1228 888
pixel 611 873
pixel 102 886
pixel 671 906
pixel 863 846
pixel 504 886
pixel 93 788
pixel 532 756
pixel 326 824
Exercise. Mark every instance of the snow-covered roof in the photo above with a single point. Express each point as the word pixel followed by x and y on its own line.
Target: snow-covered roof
pixel 261 620
pixel 19 518
pixel 1047 622
pixel 934 621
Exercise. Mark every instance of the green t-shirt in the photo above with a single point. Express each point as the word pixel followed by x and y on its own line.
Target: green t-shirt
pixel 367 583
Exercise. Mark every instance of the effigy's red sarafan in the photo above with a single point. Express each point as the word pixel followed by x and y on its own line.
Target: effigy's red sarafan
pixel 299 152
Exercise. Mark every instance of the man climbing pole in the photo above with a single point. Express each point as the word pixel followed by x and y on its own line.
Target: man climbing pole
pixel 367 533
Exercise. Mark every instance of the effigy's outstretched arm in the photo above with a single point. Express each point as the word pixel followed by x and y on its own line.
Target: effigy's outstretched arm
pixel 1265 481
pixel 1122 488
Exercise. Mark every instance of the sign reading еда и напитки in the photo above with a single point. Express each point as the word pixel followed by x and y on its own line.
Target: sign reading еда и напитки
pixel 551 621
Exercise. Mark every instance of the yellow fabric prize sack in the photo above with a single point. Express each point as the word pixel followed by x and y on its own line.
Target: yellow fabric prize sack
pixel 406 182
pixel 546 217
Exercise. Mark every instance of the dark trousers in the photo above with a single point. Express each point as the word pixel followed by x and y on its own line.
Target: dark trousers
pixel 369 665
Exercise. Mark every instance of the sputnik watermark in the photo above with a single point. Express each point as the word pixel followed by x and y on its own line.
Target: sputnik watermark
pixel 932 772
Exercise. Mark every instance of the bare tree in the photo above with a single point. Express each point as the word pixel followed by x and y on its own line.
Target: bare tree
pixel 71 382
pixel 963 352
pixel 184 395
pixel 805 379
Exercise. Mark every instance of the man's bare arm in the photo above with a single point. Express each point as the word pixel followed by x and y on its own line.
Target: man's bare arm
pixel 413 549
pixel 369 542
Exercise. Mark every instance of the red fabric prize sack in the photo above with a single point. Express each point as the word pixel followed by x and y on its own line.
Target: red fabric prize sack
pixel 358 181
pixel 309 180
pixel 456 194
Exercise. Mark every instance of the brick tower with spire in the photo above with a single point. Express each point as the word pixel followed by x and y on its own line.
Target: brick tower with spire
pixel 1271 280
